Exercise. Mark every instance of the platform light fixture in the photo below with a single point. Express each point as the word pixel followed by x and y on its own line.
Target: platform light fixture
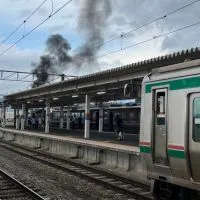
pixel 28 102
pixel 40 100
pixel 75 96
pixel 55 98
pixel 101 92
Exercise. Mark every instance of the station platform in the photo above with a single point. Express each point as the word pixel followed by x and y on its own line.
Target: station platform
pixel 107 140
pixel 95 136
pixel 101 149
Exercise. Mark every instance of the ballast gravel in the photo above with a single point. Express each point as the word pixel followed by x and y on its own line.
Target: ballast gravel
pixel 52 183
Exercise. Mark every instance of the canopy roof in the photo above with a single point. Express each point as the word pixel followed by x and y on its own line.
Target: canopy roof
pixel 111 81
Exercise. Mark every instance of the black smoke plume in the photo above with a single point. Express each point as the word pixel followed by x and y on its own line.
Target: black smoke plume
pixel 55 59
pixel 91 23
pixel 58 48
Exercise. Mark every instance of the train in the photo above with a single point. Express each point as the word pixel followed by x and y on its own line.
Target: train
pixel 129 113
pixel 168 122
pixel 170 130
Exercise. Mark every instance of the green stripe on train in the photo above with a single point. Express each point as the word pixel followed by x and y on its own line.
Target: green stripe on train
pixel 176 84
pixel 145 149
pixel 171 152
pixel 176 154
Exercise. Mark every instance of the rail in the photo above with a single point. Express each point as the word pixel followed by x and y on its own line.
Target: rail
pixel 91 173
pixel 11 188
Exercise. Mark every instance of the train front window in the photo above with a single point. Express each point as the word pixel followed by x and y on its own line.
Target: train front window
pixel 196 120
pixel 160 108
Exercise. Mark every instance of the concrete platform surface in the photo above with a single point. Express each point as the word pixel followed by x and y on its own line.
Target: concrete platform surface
pixel 103 140
pixel 108 137
pixel 100 150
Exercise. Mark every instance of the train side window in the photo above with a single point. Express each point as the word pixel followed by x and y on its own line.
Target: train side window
pixel 160 108
pixel 196 120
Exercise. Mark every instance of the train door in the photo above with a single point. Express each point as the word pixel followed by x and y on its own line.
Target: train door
pixel 194 136
pixel 160 126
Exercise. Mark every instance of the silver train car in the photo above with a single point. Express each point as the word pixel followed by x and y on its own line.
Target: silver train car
pixel 129 114
pixel 170 130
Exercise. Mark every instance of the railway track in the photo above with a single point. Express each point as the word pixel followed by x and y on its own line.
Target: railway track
pixel 112 181
pixel 10 188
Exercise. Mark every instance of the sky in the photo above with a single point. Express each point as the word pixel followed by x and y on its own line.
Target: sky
pixel 124 15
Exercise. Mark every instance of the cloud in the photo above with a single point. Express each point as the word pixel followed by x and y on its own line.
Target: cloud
pixel 16 11
pixel 16 60
pixel 137 13
pixel 126 15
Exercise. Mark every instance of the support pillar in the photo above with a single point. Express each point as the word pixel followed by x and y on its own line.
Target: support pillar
pixel 101 117
pixel 26 117
pixel 23 117
pixel 43 117
pixel 14 118
pixel 87 117
pixel 68 118
pixel 47 116
pixel 4 116
pixel 1 114
pixel 17 118
pixel 61 117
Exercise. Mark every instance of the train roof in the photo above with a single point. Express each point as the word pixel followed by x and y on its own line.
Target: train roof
pixel 177 67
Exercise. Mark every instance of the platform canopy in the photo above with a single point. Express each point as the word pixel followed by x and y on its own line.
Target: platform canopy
pixel 101 86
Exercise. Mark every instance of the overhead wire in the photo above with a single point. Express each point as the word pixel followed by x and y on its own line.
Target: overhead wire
pixel 162 17
pixel 145 41
pixel 108 41
pixel 23 23
pixel 52 7
pixel 41 23
pixel 148 23
pixel 65 4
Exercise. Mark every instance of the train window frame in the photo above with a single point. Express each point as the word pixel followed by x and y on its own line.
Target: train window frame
pixel 161 111
pixel 195 121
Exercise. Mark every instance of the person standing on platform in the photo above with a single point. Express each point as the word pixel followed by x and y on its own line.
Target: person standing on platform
pixel 119 127
pixel 73 122
pixel 36 122
pixel 79 122
pixel 39 122
pixel 43 123
pixel 33 122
